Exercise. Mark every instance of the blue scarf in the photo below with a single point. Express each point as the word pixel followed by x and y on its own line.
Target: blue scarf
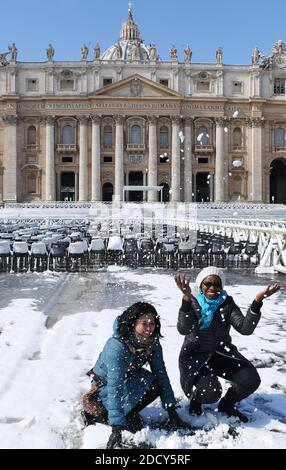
pixel 209 306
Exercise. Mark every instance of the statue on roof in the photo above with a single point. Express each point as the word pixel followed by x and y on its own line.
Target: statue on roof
pixel 218 55
pixel 96 51
pixel 14 52
pixel 174 53
pixel 188 54
pixel 255 56
pixel 84 52
pixel 50 52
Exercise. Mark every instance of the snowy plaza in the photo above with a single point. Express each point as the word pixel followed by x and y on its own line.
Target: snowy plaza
pixel 54 324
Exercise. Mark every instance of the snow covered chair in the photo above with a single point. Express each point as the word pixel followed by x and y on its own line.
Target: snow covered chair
pixel 185 253
pixel 20 261
pixel 146 253
pixel 217 255
pixel 5 256
pixel 97 253
pixel 130 248
pixel 38 257
pixel 114 251
pixel 58 256
pixel 76 256
pixel 201 255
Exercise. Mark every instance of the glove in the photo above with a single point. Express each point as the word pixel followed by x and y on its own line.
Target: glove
pixel 175 422
pixel 115 439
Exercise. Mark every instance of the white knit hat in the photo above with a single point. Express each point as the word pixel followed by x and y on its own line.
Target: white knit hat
pixel 210 271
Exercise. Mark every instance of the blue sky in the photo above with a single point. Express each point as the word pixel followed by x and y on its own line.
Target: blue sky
pixel 235 26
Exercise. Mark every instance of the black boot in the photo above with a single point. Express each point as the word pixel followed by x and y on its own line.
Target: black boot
pixel 225 406
pixel 195 407
pixel 134 422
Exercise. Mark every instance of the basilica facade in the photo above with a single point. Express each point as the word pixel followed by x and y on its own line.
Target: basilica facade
pixel 85 130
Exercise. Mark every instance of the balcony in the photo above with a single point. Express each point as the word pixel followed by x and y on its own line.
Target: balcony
pixel 66 148
pixel 238 148
pixel 32 147
pixel 134 147
pixel 280 149
pixel 204 148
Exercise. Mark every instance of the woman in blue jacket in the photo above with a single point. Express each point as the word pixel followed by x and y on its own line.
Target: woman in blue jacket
pixel 126 386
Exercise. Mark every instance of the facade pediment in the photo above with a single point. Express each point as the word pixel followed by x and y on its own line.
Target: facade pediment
pixel 136 86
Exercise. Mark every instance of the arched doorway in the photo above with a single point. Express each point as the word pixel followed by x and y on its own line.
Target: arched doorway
pixel 278 181
pixel 135 179
pixel 67 186
pixel 107 192
pixel 203 187
pixel 166 192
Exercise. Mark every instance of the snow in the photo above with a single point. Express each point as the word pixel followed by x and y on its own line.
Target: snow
pixel 43 370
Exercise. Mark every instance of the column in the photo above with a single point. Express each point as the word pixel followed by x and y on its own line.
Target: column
pixel 76 186
pixel 10 160
pixel 83 159
pixel 219 161
pixel 50 159
pixel 95 160
pixel 188 187
pixel 176 163
pixel 119 161
pixel 256 160
pixel 152 161
pixel 59 186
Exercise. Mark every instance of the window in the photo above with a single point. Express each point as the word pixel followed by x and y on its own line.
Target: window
pixel 164 81
pixel 67 159
pixel 68 135
pixel 236 87
pixel 107 136
pixel 107 81
pixel 203 160
pixel 203 86
pixel 279 86
pixel 237 138
pixel 202 136
pixel 279 138
pixel 164 137
pixel 107 192
pixel 32 136
pixel 67 85
pixel 32 84
pixel 32 184
pixel 136 134
pixel 107 159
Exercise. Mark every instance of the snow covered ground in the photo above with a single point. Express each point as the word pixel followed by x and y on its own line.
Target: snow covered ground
pixel 43 370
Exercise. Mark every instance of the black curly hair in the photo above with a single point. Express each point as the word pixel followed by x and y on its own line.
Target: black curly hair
pixel 127 320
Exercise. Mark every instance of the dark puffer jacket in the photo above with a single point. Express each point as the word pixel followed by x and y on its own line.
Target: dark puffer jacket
pixel 217 335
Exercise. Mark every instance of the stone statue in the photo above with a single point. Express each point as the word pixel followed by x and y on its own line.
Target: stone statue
pixel 255 56
pixel 14 52
pixel 50 52
pixel 135 51
pixel 84 52
pixel 118 51
pixel 219 55
pixel 96 51
pixel 174 53
pixel 188 54
pixel 3 58
pixel 153 52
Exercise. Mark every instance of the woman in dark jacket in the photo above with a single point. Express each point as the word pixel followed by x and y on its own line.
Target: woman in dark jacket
pixel 126 386
pixel 207 352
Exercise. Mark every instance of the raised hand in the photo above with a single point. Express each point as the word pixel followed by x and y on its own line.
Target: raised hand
pixel 268 291
pixel 184 286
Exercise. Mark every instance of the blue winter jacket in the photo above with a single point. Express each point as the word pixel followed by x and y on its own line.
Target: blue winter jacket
pixel 125 380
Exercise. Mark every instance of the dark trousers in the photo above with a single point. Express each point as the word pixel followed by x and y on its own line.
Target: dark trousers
pixel 241 373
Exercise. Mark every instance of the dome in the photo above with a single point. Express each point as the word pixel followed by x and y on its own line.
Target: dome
pixel 130 45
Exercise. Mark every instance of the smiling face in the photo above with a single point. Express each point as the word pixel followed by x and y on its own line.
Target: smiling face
pixel 145 325
pixel 211 286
